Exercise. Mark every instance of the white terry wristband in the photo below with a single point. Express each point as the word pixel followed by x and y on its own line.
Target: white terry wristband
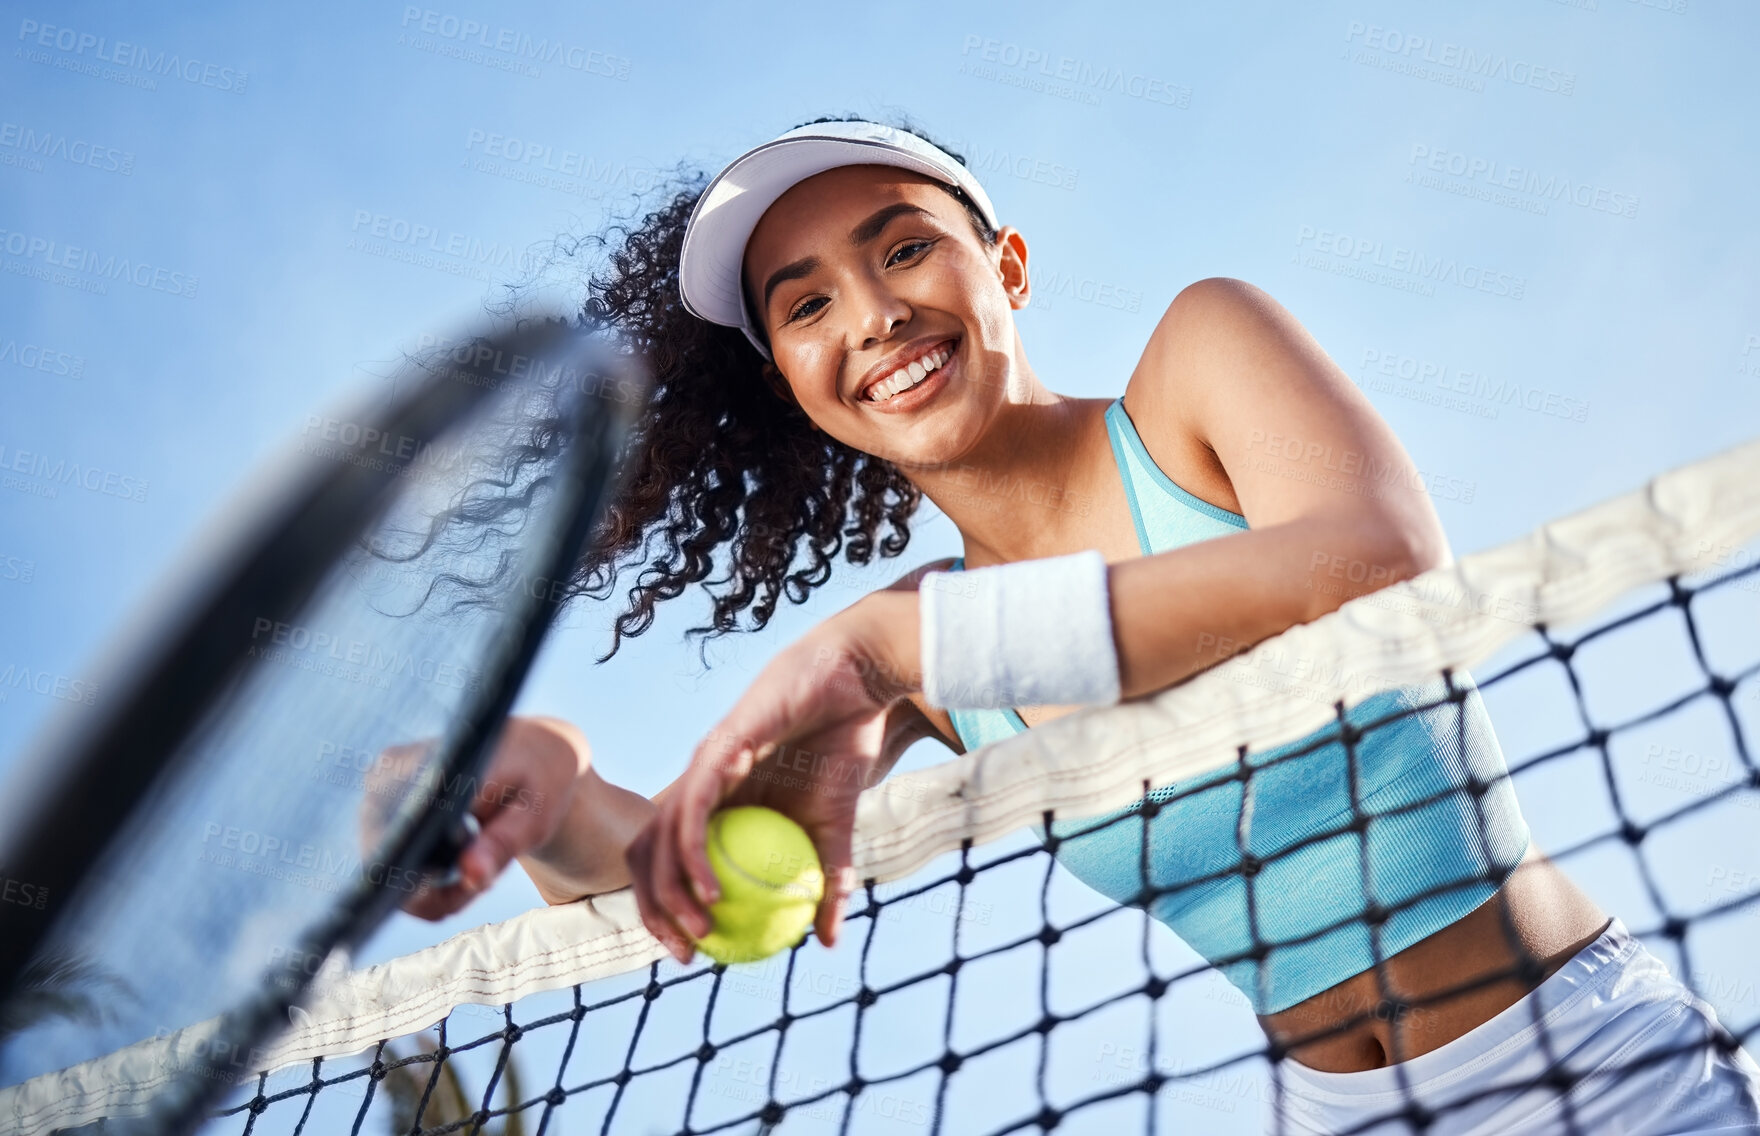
pixel 1032 633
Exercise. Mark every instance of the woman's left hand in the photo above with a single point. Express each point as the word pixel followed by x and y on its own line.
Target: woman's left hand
pixel 805 739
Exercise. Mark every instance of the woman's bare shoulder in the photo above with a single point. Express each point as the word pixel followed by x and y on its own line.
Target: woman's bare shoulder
pixel 1193 348
pixel 1231 374
pixel 1208 321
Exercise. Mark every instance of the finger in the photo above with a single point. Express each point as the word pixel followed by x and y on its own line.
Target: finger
pixel 676 942
pixel 840 880
pixel 506 831
pixel 392 770
pixel 639 858
pixel 658 883
pixel 385 787
pixel 828 920
pixel 694 808
pixel 672 890
pixel 435 903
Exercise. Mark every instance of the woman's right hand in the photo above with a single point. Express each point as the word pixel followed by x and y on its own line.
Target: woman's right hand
pixel 539 801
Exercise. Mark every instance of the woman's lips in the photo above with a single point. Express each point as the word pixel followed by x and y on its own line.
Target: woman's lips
pixel 902 380
pixel 933 383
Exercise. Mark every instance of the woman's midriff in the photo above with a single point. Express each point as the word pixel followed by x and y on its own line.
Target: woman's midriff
pixel 1448 984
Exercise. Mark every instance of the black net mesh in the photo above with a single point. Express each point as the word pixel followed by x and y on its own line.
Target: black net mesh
pixel 994 993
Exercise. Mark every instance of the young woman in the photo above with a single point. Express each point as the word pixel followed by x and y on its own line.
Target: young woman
pixel 832 325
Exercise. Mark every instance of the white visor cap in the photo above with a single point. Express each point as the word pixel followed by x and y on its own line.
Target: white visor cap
pixel 715 237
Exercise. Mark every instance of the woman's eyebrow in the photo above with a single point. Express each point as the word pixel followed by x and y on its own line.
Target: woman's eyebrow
pixel 876 224
pixel 860 235
pixel 791 271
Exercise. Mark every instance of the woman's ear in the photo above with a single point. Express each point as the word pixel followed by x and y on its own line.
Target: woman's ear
pixel 1011 253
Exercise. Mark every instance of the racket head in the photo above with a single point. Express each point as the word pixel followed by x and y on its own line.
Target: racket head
pixel 295 739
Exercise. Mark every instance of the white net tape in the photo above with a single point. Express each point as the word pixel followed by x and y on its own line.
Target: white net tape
pixel 1086 763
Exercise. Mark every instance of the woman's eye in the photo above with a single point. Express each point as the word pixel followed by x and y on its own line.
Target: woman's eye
pixel 907 251
pixel 805 308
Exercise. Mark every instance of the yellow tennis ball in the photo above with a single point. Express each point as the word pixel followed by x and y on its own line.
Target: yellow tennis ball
pixel 771 884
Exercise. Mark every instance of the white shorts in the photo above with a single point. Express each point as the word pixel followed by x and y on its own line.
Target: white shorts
pixel 1613 1006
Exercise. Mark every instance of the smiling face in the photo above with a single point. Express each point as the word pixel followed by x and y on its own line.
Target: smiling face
pixel 890 319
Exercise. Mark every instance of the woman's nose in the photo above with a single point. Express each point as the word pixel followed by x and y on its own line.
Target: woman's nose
pixel 880 311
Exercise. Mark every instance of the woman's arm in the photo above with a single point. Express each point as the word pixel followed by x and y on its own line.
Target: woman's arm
pixel 1335 505
pixel 584 854
pixel 540 801
pixel 825 728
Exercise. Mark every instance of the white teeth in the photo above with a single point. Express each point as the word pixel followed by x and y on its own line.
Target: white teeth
pixel 907 377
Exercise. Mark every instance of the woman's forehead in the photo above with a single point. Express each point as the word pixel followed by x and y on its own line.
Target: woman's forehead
pixel 830 205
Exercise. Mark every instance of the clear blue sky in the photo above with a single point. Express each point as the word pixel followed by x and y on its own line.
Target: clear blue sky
pixel 1460 200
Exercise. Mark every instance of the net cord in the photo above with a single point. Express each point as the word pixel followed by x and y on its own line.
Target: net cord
pixel 1083 764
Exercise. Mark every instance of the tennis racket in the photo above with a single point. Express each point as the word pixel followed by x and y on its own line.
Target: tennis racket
pixel 228 825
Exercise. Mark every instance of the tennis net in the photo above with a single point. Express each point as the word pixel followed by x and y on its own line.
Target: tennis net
pixel 981 988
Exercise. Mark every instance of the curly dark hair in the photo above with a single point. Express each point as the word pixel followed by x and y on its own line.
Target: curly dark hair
pixel 722 454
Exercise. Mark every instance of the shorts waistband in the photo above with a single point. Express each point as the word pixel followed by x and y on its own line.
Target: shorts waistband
pixel 1517 1026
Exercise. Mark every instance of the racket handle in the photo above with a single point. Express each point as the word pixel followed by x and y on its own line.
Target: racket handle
pixel 442 869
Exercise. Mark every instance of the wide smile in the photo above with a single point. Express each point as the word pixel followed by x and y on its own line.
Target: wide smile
pixel 910 383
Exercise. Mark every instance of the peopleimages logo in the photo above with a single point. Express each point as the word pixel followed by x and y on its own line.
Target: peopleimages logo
pixel 16 568
pixel 297 862
pixel 1482 178
pixel 23 894
pixel 48 255
pixel 279 641
pixel 50 473
pixel 1064 76
pixel 433 247
pixel 983 160
pixel 101 49
pixel 514 50
pixel 36 357
pixel 1400 266
pixel 22 145
pixel 1483 394
pixel 551 167
pixel 1451 64
pixel 14 676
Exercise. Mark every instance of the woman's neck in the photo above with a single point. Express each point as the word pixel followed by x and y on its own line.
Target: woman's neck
pixel 1018 492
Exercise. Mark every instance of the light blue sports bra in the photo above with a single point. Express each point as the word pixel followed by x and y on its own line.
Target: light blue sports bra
pixel 1442 831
